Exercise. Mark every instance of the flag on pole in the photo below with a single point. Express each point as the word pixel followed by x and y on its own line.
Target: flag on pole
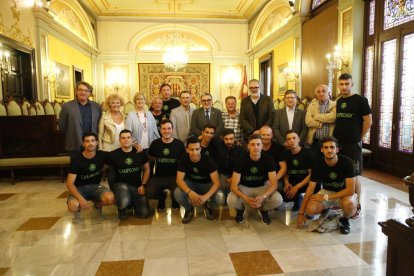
pixel 244 89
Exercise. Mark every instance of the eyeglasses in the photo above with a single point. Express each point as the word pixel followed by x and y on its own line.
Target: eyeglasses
pixel 206 101
pixel 255 87
pixel 83 90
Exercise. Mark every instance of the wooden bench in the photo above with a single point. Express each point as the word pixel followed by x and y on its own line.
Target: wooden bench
pixel 12 164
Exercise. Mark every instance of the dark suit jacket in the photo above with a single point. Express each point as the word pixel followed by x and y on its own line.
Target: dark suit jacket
pixel 248 118
pixel 70 123
pixel 198 121
pixel 281 125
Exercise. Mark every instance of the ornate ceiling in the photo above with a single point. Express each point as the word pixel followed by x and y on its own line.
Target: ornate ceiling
pixel 189 9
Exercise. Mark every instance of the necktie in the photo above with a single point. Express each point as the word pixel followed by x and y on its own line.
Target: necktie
pixel 207 116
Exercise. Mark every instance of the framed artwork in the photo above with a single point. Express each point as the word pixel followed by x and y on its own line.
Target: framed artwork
pixel 281 82
pixel 62 84
pixel 77 75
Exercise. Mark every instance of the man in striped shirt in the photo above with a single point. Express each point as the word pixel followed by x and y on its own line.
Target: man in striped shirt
pixel 231 118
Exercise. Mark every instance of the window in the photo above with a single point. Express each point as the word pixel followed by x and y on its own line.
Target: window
pixel 397 12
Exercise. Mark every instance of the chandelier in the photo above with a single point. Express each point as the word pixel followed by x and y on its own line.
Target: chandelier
pixel 175 57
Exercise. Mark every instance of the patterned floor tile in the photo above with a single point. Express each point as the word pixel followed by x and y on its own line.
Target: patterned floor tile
pixel 247 263
pixel 134 267
pixel 44 223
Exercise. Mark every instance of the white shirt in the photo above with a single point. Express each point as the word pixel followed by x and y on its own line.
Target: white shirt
pixel 290 114
pixel 144 135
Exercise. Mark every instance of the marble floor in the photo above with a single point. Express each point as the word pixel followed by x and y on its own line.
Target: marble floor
pixel 37 237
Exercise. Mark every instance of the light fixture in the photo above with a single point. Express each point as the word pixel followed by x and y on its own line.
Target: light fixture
pixel 175 57
pixel 52 74
pixel 337 61
pixel 290 75
pixel 5 67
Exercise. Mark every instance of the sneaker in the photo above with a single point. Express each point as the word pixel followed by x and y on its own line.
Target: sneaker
pixel 297 204
pixel 239 216
pixel 76 218
pixel 209 212
pixel 344 225
pixel 122 214
pixel 175 205
pixel 358 211
pixel 265 217
pixel 98 211
pixel 189 214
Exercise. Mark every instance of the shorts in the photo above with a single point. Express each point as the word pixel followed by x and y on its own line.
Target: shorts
pixel 332 202
pixel 353 151
pixel 93 192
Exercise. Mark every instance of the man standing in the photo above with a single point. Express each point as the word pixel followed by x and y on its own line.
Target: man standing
pixel 353 121
pixel 79 116
pixel 231 118
pixel 254 182
pixel 299 163
pixel 336 174
pixel 206 115
pixel 289 118
pixel 320 118
pixel 168 103
pixel 256 110
pixel 129 187
pixel 84 178
pixel 181 117
pixel 198 182
pixel 165 151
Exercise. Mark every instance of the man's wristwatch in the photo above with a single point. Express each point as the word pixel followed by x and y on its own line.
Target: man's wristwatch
pixel 265 197
pixel 326 197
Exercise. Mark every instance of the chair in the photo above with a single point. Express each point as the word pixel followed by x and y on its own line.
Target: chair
pixel 57 108
pixel 39 107
pixel 281 104
pixel 13 108
pixel 217 104
pixel 25 107
pixel 32 110
pixel 48 108
pixel 301 106
pixel 129 107
pixel 276 104
pixel 2 109
pixel 193 105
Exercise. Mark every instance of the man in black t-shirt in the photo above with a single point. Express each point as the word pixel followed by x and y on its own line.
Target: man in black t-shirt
pixel 209 144
pixel 168 103
pixel 165 151
pixel 336 174
pixel 353 121
pixel 298 161
pixel 129 188
pixel 274 150
pixel 198 181
pixel 84 178
pixel 254 182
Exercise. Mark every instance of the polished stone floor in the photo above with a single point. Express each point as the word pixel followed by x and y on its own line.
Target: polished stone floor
pixel 37 237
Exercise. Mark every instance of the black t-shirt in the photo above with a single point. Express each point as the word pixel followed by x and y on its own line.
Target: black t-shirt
pixel 169 105
pixel 349 113
pixel 198 172
pixel 254 173
pixel 298 165
pixel 213 149
pixel 158 119
pixel 333 178
pixel 166 156
pixel 88 171
pixel 228 158
pixel 128 166
pixel 277 152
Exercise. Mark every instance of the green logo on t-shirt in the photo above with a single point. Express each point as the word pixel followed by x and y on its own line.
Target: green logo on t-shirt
pixel 165 107
pixel 295 162
pixel 253 170
pixel 343 105
pixel 206 152
pixel 166 151
pixel 128 161
pixel 332 175
pixel 92 167
pixel 195 170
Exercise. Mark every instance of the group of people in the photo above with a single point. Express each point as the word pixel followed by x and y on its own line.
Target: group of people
pixel 256 158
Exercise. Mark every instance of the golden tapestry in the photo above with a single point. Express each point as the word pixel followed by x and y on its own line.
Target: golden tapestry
pixel 195 77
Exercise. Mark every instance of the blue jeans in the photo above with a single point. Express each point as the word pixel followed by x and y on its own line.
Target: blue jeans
pixel 216 200
pixel 93 192
pixel 127 195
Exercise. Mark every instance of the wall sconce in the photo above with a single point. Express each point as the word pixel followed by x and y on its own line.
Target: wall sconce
pixel 337 61
pixel 290 75
pixel 231 78
pixel 115 79
pixel 5 67
pixel 52 74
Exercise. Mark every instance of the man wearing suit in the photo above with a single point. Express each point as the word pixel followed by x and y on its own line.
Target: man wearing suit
pixel 181 117
pixel 256 110
pixel 79 116
pixel 289 118
pixel 206 115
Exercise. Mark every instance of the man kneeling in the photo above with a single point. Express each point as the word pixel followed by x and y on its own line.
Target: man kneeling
pixel 336 174
pixel 254 182
pixel 84 178
pixel 198 181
